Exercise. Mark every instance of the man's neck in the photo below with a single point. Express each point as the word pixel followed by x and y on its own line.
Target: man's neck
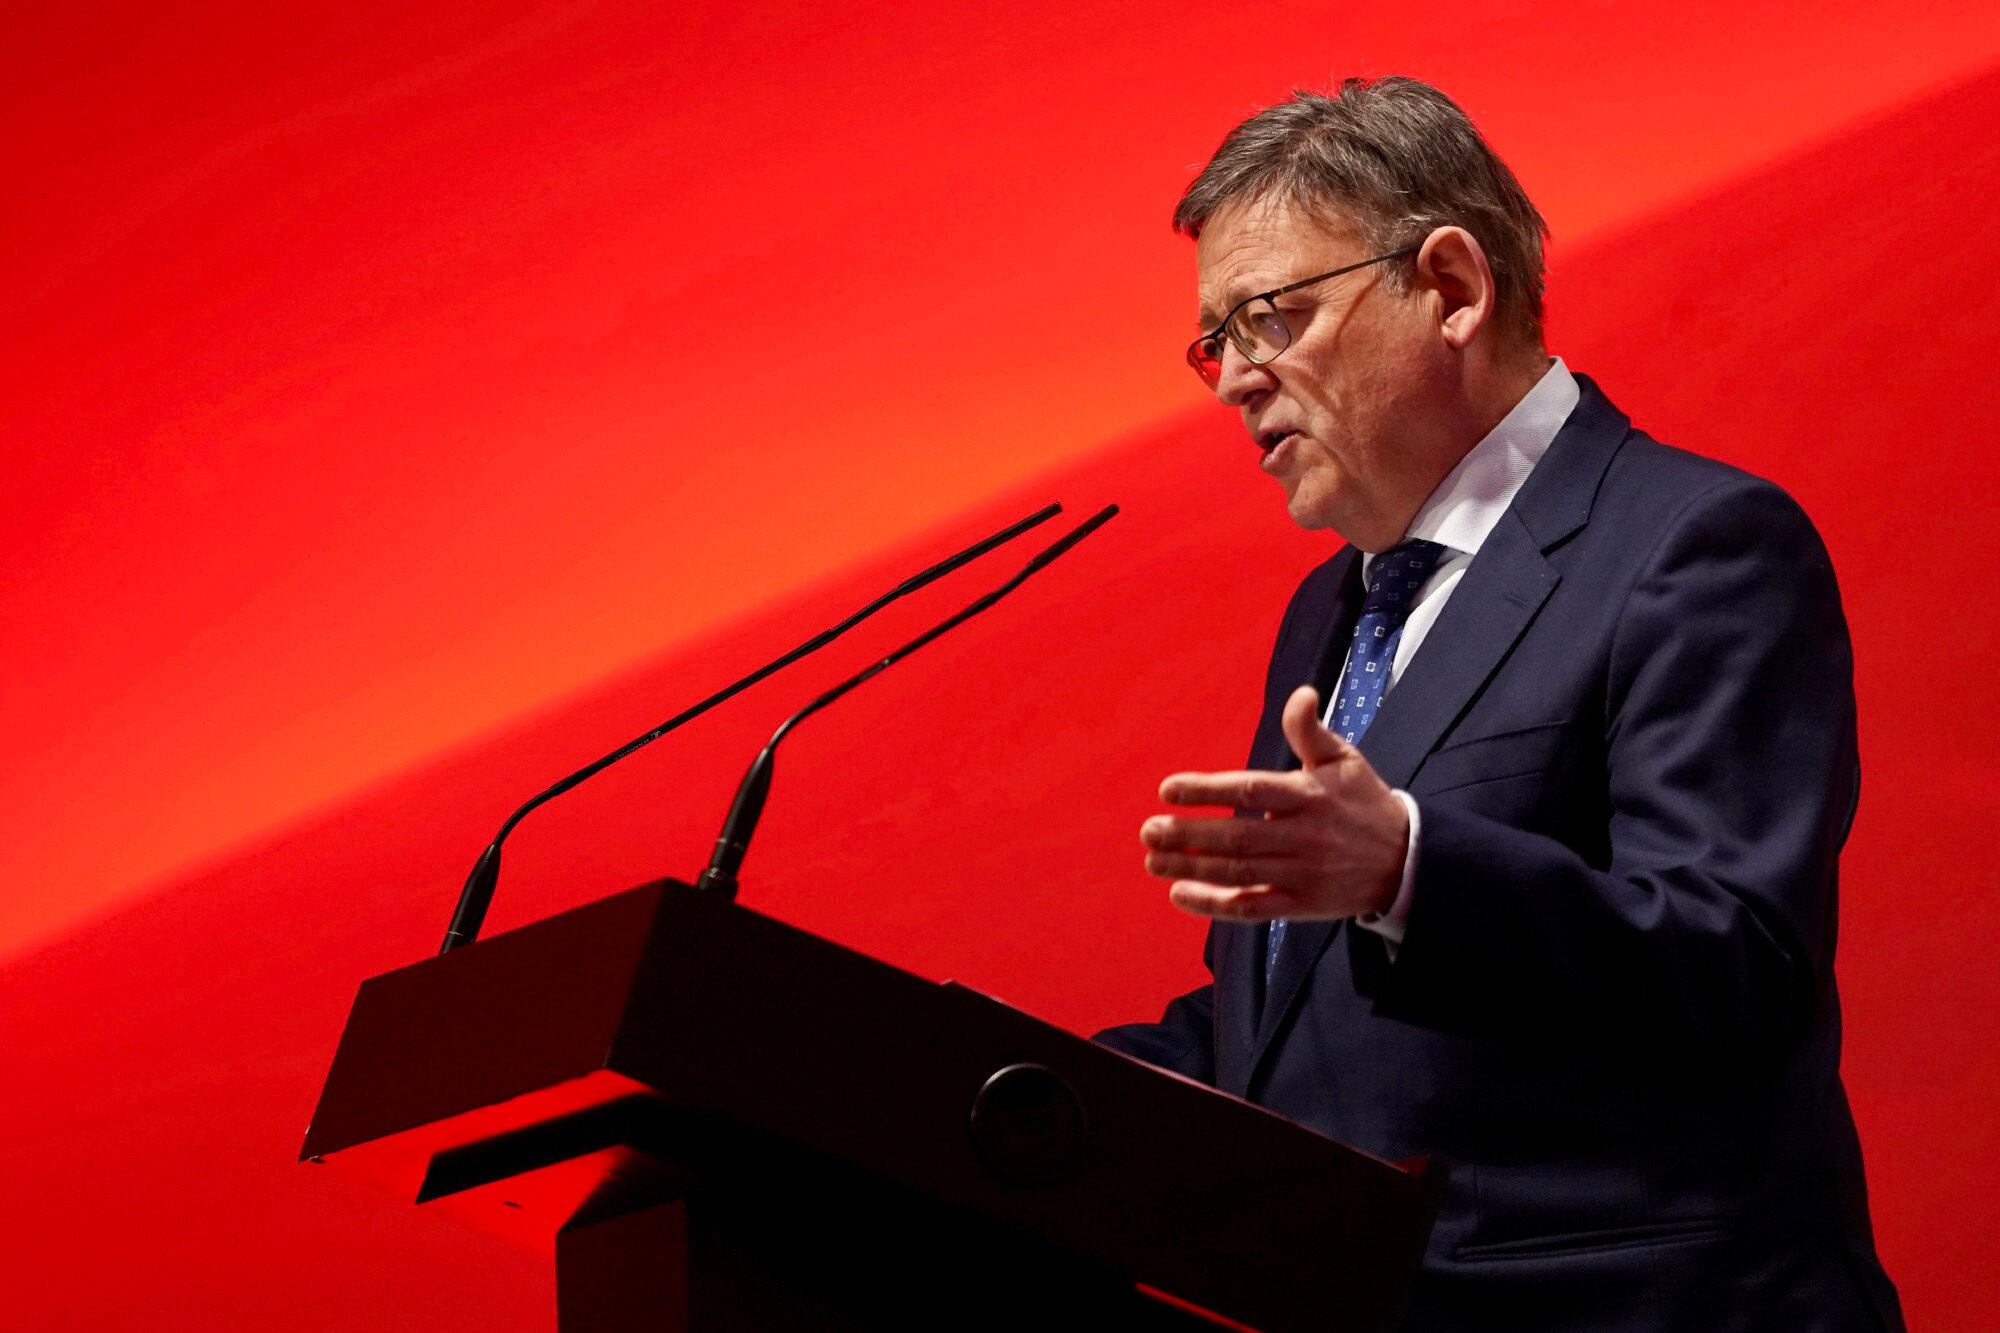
pixel 1482 407
pixel 1490 403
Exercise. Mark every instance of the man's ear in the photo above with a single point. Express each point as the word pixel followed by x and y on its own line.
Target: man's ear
pixel 1452 264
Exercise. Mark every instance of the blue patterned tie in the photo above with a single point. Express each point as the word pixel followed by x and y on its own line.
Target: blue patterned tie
pixel 1393 579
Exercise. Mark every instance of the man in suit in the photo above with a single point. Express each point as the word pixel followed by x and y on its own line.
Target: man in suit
pixel 1533 863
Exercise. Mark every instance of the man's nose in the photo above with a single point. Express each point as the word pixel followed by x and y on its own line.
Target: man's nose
pixel 1239 376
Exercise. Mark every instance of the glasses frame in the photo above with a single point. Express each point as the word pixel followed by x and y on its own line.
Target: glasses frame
pixel 1227 326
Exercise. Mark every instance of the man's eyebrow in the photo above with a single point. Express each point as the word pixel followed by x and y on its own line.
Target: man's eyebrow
pixel 1208 319
pixel 1235 296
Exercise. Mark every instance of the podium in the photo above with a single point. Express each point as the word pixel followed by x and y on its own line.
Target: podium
pixel 720 1122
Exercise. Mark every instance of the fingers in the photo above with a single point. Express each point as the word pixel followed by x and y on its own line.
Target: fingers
pixel 1259 902
pixel 1238 853
pixel 1311 742
pixel 1240 871
pixel 1275 793
pixel 1235 837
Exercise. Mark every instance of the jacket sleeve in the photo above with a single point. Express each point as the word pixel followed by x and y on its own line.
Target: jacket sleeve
pixel 1732 774
pixel 1184 1038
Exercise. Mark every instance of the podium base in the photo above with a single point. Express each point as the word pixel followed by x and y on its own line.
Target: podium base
pixel 682 1266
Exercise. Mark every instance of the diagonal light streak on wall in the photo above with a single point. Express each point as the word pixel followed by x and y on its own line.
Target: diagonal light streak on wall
pixel 377 379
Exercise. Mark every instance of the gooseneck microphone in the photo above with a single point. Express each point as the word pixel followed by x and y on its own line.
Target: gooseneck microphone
pixel 720 877
pixel 477 895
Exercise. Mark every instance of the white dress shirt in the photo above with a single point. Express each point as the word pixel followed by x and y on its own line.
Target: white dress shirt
pixel 1458 515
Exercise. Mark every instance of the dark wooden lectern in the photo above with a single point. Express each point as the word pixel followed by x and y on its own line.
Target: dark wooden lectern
pixel 723 1122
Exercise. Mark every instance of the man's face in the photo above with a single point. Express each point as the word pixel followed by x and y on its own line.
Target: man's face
pixel 1346 416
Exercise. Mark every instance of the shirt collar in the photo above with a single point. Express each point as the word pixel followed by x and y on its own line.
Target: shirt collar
pixel 1469 501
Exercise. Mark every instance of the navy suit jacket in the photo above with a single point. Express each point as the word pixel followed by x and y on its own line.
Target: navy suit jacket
pixel 1631 737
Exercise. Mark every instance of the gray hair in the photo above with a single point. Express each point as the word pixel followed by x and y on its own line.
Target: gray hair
pixel 1394 159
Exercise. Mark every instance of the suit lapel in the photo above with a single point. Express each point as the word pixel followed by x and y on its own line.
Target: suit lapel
pixel 1318 664
pixel 1499 596
pixel 1502 590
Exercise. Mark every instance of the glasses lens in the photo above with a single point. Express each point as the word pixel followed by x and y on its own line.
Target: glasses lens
pixel 1205 355
pixel 1257 330
pixel 1260 332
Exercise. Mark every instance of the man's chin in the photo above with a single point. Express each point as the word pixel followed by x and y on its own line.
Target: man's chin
pixel 1309 509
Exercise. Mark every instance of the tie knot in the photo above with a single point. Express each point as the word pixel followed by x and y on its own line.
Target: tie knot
pixel 1395 575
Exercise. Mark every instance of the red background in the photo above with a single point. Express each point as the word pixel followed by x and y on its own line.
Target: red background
pixel 401 409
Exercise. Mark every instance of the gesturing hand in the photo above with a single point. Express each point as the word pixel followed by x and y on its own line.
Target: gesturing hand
pixel 1330 844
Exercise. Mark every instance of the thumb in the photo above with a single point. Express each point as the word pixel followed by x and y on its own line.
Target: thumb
pixel 1311 742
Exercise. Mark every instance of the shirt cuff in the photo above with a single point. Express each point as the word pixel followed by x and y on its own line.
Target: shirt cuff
pixel 1389 924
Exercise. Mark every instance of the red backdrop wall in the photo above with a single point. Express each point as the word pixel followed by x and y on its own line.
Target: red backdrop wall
pixel 401 410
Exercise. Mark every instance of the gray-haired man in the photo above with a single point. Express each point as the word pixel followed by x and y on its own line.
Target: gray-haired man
pixel 1534 859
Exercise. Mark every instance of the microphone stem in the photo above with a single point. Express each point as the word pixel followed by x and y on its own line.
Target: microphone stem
pixel 744 811
pixel 477 894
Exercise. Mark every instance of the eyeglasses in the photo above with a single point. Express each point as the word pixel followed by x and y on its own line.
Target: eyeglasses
pixel 1257 329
